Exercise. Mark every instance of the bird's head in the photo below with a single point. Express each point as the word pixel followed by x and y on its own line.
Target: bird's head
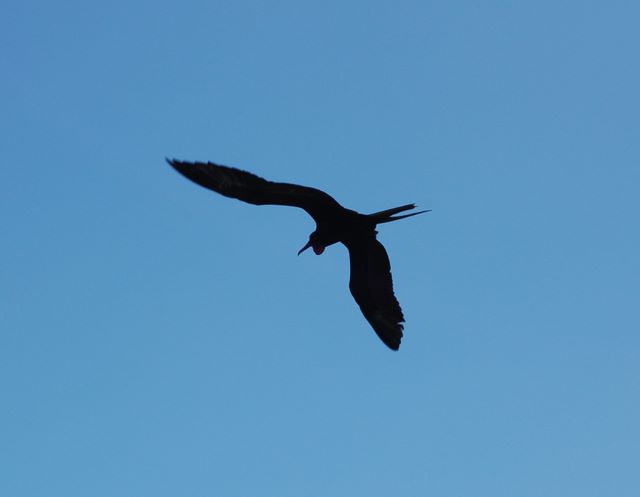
pixel 315 242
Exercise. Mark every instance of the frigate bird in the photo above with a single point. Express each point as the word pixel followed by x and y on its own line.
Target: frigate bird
pixel 370 279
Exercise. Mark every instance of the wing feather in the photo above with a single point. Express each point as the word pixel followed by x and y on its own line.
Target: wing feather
pixel 372 288
pixel 245 186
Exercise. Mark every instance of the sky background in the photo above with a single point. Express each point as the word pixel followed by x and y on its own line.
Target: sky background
pixel 160 340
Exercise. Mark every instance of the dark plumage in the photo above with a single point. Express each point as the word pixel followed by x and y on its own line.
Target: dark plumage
pixel 370 280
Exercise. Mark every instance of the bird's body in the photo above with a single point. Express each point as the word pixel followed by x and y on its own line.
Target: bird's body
pixel 370 280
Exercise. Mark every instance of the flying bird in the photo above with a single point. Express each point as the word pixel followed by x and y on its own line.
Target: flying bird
pixel 370 279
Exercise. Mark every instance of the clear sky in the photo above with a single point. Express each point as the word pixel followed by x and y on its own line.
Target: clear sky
pixel 160 340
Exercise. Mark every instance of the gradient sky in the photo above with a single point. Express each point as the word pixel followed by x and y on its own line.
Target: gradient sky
pixel 160 340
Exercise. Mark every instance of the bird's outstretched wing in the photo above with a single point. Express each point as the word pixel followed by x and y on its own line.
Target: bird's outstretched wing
pixel 372 288
pixel 248 187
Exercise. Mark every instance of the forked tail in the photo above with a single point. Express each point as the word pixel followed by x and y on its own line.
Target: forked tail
pixel 388 215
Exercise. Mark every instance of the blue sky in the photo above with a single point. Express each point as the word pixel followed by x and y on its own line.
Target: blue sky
pixel 160 340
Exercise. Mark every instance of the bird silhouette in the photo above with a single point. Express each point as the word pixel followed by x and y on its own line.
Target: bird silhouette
pixel 370 279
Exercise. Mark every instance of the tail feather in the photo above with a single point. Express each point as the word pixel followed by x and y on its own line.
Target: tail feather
pixel 395 210
pixel 387 216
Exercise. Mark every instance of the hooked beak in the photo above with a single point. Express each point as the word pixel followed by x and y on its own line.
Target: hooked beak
pixel 304 248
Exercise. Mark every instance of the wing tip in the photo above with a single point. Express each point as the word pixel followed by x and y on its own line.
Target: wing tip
pixel 395 346
pixel 178 165
pixel 388 330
